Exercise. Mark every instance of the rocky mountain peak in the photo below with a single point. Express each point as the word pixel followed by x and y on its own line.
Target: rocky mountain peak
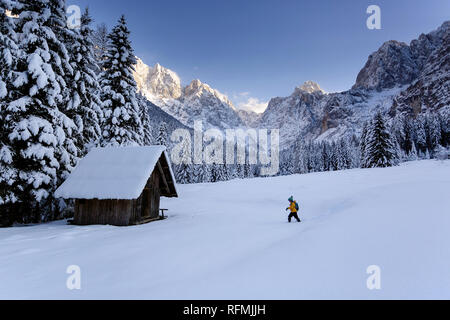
pixel 309 87
pixel 196 86
pixel 157 82
pixel 392 65
pixel 200 89
pixel 196 101
pixel 398 64
pixel 158 68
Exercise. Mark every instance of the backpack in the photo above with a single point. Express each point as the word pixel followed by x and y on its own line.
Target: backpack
pixel 296 206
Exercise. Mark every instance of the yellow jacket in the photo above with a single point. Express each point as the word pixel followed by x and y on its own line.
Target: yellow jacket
pixel 292 207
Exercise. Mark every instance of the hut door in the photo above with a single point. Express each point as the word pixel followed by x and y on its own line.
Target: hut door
pixel 146 203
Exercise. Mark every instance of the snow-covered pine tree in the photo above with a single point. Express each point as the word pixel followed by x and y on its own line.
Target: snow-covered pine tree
pixel 304 158
pixel 333 151
pixel 122 125
pixel 100 40
pixel 433 132
pixel 421 136
pixel 247 171
pixel 223 172
pixel 355 152
pixel 70 151
pixel 240 170
pixel 444 119
pixel 206 170
pixel 9 58
pixel 85 104
pixel 407 143
pixel 380 148
pixel 295 158
pixel 343 155
pixel 162 139
pixel 214 173
pixel 412 155
pixel 184 173
pixel 37 129
pixel 309 158
pixel 398 153
pixel 197 174
pixel 147 138
pixel 363 144
pixel 9 51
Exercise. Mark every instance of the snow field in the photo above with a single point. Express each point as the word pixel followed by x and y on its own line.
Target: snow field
pixel 231 240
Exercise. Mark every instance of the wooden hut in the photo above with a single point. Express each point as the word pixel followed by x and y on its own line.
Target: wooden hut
pixel 119 186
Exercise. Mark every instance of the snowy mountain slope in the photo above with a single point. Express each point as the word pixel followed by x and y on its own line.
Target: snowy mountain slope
pixel 196 101
pixel 397 63
pixel 317 115
pixel 294 115
pixel 158 116
pixel 249 118
pixel 245 249
pixel 398 78
pixel 393 64
pixel 431 90
pixel 200 102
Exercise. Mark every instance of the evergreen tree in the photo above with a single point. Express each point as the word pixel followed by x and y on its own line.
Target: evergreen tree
pixel 380 149
pixel 9 58
pixel 324 164
pixel 100 40
pixel 343 155
pixel 421 136
pixel 85 104
pixel 333 157
pixel 147 138
pixel 363 144
pixel 398 153
pixel 69 152
pixel 206 173
pixel 240 171
pixel 214 173
pixel 412 155
pixel 162 134
pixel 434 132
pixel 407 144
pixel 223 172
pixel 184 173
pixel 198 174
pixel 355 153
pixel 122 125
pixel 444 120
pixel 36 127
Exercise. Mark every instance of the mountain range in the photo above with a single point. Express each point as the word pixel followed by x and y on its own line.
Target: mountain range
pixel 397 78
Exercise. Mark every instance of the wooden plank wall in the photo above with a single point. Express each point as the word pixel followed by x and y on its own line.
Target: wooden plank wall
pixel 113 212
pixel 155 194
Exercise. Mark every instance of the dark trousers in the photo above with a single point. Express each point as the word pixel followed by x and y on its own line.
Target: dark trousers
pixel 294 215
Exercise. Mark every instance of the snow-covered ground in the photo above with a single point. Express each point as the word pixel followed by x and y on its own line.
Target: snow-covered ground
pixel 232 241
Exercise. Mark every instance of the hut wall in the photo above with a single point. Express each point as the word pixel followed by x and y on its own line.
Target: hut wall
pixel 147 205
pixel 155 194
pixel 112 212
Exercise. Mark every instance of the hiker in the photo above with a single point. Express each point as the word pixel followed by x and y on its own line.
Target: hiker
pixel 294 210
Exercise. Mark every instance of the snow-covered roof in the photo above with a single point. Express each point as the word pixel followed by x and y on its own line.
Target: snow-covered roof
pixel 116 173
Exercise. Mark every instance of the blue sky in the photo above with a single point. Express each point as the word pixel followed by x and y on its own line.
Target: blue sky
pixel 260 49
